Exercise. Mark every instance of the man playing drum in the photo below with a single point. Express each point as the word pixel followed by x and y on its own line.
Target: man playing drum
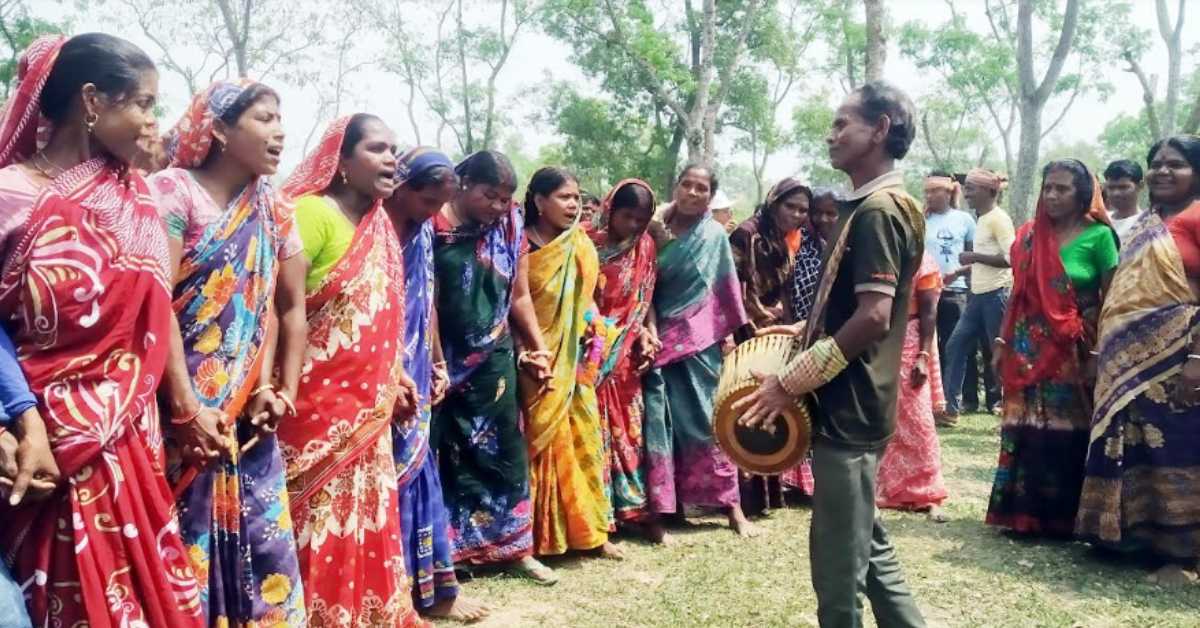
pixel 852 374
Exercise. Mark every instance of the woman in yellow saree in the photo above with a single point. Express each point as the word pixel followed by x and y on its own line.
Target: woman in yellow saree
pixel 571 507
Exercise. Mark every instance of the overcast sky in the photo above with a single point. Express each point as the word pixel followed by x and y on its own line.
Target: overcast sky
pixel 538 56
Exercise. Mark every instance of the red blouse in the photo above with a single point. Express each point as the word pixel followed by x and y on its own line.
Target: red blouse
pixel 1185 229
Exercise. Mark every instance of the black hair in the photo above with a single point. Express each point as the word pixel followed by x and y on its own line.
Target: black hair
pixel 544 182
pixel 1189 147
pixel 823 192
pixel 247 99
pixel 488 167
pixel 941 173
pixel 880 98
pixel 1081 178
pixel 1124 169
pixel 713 184
pixel 587 197
pixel 436 175
pixel 355 130
pixel 632 195
pixel 110 63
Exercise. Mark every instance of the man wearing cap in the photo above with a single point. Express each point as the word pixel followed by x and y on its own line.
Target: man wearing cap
pixel 722 210
pixel 991 281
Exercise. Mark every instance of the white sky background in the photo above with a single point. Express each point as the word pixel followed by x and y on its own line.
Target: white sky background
pixel 537 56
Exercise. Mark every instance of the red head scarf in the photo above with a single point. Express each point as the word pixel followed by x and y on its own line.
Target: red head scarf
pixel 316 171
pixel 22 114
pixel 189 142
pixel 1043 325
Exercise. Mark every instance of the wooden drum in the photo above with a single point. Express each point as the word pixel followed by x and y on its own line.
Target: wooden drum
pixel 754 449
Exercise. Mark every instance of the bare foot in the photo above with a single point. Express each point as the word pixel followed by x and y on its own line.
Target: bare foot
pixel 609 551
pixel 741 525
pixel 937 515
pixel 654 532
pixel 533 569
pixel 460 609
pixel 1173 576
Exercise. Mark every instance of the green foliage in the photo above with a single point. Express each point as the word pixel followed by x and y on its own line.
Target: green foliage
pixel 18 29
pixel 811 120
pixel 606 141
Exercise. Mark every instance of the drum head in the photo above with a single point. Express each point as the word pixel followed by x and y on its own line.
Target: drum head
pixel 757 450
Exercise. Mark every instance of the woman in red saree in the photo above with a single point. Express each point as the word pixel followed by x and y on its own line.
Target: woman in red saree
pixel 86 292
pixel 338 449
pixel 641 470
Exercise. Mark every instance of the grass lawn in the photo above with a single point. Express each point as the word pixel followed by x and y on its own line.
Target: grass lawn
pixel 962 572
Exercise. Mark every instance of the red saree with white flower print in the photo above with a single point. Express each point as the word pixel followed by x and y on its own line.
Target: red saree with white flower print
pixel 87 298
pixel 338 449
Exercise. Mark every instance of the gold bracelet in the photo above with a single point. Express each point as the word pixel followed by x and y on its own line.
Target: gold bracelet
pixel 260 389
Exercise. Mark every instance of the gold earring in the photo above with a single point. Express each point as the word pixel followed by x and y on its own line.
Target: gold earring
pixel 90 120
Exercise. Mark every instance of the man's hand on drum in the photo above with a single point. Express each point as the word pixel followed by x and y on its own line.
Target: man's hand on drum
pixel 763 406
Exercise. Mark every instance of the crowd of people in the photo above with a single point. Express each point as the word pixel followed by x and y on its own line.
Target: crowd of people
pixel 226 403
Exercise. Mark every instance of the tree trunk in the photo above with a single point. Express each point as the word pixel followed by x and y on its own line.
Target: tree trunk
pixel 876 40
pixel 1032 96
pixel 1025 182
pixel 1172 35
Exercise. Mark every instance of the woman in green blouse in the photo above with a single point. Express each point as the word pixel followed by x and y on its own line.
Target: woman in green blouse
pixel 1062 263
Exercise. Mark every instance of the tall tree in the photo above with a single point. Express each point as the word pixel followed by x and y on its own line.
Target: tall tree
pixel 1171 118
pixel 997 71
pixel 756 98
pixel 876 40
pixel 206 40
pixel 686 67
pixel 454 71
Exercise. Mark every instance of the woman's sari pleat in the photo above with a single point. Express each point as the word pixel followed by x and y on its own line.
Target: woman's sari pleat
pixel 482 458
pixel 340 467
pixel 1143 458
pixel 698 302
pixel 87 294
pixel 422 512
pixel 571 508
pixel 640 464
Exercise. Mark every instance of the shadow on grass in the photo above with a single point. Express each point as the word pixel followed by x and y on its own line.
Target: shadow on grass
pixel 1068 567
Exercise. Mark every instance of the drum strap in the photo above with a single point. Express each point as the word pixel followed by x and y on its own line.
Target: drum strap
pixel 829 271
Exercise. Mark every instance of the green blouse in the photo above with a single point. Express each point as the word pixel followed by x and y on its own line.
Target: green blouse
pixel 326 233
pixel 1091 255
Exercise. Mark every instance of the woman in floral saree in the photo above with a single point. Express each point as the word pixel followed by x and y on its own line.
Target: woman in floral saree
pixel 483 295
pixel 698 305
pixel 85 292
pixel 237 256
pixel 1062 262
pixel 640 464
pixel 425 181
pixel 571 508
pixel 1140 491
pixel 338 448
